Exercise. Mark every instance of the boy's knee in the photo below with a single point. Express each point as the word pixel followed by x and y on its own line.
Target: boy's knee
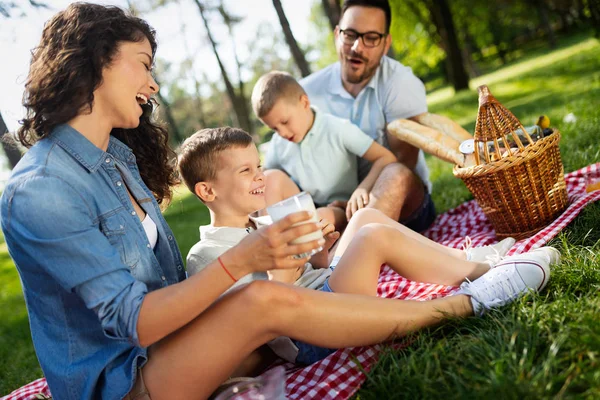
pixel 375 235
pixel 397 174
pixel 276 176
pixel 365 216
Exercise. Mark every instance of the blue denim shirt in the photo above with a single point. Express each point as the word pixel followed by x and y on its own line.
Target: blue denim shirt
pixel 85 261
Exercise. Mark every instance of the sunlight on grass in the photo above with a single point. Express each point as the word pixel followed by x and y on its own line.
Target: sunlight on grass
pixel 516 70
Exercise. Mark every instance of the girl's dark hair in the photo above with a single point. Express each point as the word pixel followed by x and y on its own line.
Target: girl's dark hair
pixel 66 67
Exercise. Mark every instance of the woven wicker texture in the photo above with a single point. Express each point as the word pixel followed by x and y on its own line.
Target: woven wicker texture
pixel 520 191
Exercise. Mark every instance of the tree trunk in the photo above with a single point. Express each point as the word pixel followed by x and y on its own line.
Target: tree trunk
pixel 594 7
pixel 170 119
pixel 442 19
pixel 9 145
pixel 229 21
pixel 545 21
pixel 296 51
pixel 199 104
pixel 333 11
pixel 240 107
pixel 468 49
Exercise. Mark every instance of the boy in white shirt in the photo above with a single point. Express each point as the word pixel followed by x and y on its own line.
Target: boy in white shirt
pixel 317 150
pixel 222 168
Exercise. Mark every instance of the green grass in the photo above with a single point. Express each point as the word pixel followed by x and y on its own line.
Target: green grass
pixel 546 346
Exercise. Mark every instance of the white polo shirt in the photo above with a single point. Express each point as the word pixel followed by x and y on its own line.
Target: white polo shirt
pixel 324 163
pixel 393 92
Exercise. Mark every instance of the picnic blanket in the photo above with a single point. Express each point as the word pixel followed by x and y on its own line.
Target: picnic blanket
pixel 340 375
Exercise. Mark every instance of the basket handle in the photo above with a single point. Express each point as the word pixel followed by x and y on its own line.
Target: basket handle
pixel 485 97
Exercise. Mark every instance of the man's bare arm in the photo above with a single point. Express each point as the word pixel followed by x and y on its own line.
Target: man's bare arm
pixel 405 153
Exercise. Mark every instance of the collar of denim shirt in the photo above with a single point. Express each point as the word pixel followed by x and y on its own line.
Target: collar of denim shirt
pixel 336 87
pixel 85 152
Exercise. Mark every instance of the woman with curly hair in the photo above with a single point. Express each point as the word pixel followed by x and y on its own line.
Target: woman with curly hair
pixel 112 314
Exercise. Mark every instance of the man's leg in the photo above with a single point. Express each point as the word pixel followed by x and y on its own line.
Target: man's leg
pixel 397 192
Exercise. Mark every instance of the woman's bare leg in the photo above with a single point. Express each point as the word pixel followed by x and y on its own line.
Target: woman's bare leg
pixel 377 244
pixel 370 215
pixel 194 360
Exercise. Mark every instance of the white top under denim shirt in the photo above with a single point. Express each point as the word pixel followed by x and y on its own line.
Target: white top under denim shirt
pixel 393 92
pixel 85 261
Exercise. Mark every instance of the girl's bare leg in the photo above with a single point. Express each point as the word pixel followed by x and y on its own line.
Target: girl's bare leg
pixel 370 215
pixel 193 361
pixel 377 244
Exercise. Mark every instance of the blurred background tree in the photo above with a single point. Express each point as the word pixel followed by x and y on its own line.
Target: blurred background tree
pixel 446 43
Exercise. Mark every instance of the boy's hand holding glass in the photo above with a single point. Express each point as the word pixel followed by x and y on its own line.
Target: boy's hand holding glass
pixel 358 200
pixel 271 247
pixel 299 202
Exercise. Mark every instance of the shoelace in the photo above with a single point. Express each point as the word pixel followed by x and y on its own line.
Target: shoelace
pixel 494 293
pixel 467 244
pixel 491 259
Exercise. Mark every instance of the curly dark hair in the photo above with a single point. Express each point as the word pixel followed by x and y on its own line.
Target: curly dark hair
pixel 77 44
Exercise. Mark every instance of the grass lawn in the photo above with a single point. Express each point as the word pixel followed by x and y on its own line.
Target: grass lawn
pixel 543 346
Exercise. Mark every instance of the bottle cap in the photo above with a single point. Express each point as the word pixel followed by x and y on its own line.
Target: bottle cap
pixel 467 146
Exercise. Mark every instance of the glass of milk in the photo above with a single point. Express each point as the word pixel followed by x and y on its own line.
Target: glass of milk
pixel 300 202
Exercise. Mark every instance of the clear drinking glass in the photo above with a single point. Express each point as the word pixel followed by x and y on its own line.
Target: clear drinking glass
pixel 300 202
pixel 268 386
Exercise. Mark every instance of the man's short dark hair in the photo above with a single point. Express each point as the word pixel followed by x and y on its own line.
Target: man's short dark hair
pixel 383 5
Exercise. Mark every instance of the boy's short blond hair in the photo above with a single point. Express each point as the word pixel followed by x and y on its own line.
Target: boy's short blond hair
pixel 272 87
pixel 198 156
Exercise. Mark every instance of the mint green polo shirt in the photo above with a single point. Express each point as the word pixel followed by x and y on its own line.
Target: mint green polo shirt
pixel 324 163
pixel 393 92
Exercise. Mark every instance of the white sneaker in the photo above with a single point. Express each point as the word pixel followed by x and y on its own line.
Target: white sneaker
pixel 510 279
pixel 544 256
pixel 491 254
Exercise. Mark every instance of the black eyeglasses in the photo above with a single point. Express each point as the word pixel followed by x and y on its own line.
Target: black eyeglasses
pixel 369 39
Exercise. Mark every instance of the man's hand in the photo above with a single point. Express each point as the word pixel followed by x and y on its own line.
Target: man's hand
pixel 358 200
pixel 269 247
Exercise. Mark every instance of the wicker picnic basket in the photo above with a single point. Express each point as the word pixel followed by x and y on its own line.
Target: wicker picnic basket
pixel 520 190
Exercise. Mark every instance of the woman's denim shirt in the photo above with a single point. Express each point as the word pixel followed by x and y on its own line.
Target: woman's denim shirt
pixel 85 261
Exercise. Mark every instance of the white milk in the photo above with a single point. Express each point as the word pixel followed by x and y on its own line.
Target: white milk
pixel 300 202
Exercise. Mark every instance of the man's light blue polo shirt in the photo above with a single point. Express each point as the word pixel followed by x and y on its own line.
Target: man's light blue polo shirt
pixel 393 92
pixel 324 163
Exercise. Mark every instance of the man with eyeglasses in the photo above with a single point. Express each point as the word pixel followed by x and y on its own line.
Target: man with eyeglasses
pixel 371 90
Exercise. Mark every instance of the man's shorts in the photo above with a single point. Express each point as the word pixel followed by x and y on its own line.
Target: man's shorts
pixel 422 217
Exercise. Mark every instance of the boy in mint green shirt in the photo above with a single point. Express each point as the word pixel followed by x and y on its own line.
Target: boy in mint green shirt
pixel 318 151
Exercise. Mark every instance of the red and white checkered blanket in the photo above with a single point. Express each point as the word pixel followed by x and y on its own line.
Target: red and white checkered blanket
pixel 338 376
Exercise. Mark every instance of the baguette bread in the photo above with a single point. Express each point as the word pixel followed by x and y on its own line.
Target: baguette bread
pixel 444 125
pixel 427 139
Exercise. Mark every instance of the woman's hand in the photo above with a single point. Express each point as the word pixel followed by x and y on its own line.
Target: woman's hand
pixel 269 247
pixel 358 200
